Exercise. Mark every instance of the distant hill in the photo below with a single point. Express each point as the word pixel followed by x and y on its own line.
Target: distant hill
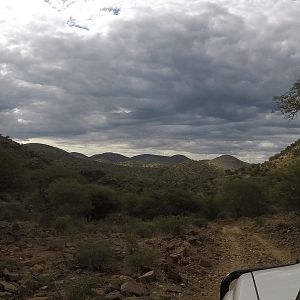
pixel 191 175
pixel 49 151
pixel 9 146
pixel 139 160
pixel 228 162
pixel 110 157
pixel 24 156
pixel 79 155
pixel 197 176
pixel 61 157
pixel 151 158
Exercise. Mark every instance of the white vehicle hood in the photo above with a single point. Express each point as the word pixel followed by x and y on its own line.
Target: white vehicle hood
pixel 278 284
pixel 282 283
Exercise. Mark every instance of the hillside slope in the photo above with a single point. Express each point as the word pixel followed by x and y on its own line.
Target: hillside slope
pixel 228 162
pixel 152 158
pixel 143 160
pixel 286 157
pixel 194 175
pixel 110 157
pixel 191 175
pixel 79 155
pixel 49 151
pixel 20 153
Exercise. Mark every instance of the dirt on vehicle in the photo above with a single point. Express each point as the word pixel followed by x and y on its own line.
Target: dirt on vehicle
pixel 38 263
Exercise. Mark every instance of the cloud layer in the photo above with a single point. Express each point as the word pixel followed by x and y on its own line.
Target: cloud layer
pixel 149 76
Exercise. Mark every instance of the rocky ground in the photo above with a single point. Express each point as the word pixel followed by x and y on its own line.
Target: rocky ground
pixel 38 263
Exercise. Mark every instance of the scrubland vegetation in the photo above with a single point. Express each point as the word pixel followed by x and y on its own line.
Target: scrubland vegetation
pixel 117 225
pixel 63 196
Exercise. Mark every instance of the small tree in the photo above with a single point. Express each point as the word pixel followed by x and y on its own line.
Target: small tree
pixel 289 103
pixel 11 176
pixel 44 177
pixel 103 201
pixel 170 202
pixel 288 188
pixel 68 196
pixel 243 197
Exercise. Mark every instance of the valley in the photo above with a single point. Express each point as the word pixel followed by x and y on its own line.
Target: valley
pixel 74 228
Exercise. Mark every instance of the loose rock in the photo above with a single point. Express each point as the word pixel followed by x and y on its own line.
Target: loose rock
pixel 132 288
pixel 11 276
pixel 114 296
pixel 8 287
pixel 147 277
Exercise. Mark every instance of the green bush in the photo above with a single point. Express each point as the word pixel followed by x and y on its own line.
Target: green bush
pixel 141 229
pixel 173 225
pixel 210 208
pixel 131 242
pixel 44 177
pixel 96 256
pixel 131 204
pixel 63 224
pixel 103 201
pixel 288 188
pixel 243 197
pixel 197 221
pixel 12 178
pixel 80 290
pixel 12 211
pixel 68 196
pixel 141 258
pixel 169 202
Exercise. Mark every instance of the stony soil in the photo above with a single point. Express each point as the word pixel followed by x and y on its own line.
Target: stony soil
pixel 189 266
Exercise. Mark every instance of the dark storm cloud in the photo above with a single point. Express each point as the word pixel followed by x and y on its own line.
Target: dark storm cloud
pixel 198 83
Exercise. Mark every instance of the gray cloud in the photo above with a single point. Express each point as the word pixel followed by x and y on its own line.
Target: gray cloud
pixel 198 81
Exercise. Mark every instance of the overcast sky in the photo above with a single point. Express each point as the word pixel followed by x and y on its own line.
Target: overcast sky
pixel 149 76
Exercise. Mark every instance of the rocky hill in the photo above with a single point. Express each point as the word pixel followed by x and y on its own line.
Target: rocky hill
pixel 228 162
pixel 57 156
pixel 49 151
pixel 79 155
pixel 21 154
pixel 148 172
pixel 110 157
pixel 224 162
pixel 285 158
pixel 137 175
pixel 145 160
pixel 151 158
pixel 195 175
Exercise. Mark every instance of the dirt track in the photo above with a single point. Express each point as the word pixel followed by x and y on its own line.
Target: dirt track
pixel 207 254
pixel 242 247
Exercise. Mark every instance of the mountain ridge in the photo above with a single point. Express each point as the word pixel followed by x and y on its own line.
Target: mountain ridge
pixel 225 162
pixel 110 157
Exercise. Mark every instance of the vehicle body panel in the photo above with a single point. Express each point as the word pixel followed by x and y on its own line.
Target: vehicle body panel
pixel 279 283
pixel 273 283
pixel 245 288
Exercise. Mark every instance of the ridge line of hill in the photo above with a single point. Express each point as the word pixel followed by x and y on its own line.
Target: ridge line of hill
pixel 225 162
